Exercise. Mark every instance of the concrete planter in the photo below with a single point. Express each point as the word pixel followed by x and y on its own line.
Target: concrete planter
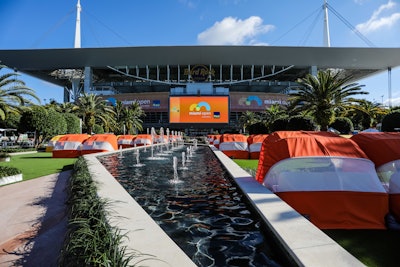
pixel 10 179
pixel 6 159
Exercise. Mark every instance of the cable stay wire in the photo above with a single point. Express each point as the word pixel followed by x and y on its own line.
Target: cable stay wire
pixel 295 26
pixel 351 27
pixel 311 29
pixel 65 18
pixel 110 29
pixel 52 29
pixel 93 32
pixel 319 11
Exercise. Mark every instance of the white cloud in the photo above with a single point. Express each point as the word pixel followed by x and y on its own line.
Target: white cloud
pixel 395 99
pixel 395 102
pixel 234 31
pixel 379 20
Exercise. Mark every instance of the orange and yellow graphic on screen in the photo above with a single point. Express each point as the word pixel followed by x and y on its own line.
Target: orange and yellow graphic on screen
pixel 199 109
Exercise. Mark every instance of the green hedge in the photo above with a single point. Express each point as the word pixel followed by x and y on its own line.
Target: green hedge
pixel 90 240
pixel 15 150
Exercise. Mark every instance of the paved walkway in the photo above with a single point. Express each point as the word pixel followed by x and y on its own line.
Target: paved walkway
pixel 33 221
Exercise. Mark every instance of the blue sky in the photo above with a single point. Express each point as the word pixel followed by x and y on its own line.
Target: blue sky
pixel 28 24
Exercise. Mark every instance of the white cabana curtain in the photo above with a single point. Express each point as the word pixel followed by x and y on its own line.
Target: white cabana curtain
pixel 323 174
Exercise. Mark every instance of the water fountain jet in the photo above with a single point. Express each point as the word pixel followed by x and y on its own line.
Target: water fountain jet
pixel 138 164
pixel 175 180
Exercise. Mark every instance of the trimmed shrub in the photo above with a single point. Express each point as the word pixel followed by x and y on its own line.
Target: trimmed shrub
pixel 73 125
pixel 343 125
pixel 278 125
pixel 9 171
pixel 98 129
pixel 297 123
pixel 391 121
pixel 257 128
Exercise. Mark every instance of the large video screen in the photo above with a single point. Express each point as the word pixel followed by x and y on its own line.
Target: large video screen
pixel 199 109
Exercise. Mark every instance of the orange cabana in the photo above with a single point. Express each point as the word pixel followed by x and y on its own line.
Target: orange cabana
pixel 100 143
pixel 210 139
pixel 380 147
pixel 69 146
pixel 269 158
pixel 143 140
pixel 255 142
pixel 326 178
pixel 234 146
pixel 384 150
pixel 161 139
pixel 214 139
pixel 126 140
pixel 52 143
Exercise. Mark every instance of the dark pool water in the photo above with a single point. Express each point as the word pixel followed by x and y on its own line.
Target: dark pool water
pixel 204 213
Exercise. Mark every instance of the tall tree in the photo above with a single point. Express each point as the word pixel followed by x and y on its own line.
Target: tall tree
pixel 248 118
pixel 14 94
pixel 367 113
pixel 44 122
pixel 323 95
pixel 67 107
pixel 92 109
pixel 273 113
pixel 130 117
pixel 73 123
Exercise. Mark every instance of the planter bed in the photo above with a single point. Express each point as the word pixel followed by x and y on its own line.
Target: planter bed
pixel 10 179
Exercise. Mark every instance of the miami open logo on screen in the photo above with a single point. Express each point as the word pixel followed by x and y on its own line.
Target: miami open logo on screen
pixel 193 109
pixel 203 110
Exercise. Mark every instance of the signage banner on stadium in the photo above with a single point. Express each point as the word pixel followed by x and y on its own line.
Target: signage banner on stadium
pixel 239 101
pixel 255 101
pixel 147 101
pixel 199 109
pixel 199 73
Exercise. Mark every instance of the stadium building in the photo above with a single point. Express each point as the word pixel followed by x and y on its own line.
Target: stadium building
pixel 197 88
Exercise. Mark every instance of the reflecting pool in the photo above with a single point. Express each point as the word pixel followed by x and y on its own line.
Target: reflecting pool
pixel 199 206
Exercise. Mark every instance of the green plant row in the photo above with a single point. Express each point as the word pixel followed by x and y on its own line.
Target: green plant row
pixel 17 149
pixel 90 240
pixel 8 171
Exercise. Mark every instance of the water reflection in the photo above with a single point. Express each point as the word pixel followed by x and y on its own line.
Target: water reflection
pixel 204 214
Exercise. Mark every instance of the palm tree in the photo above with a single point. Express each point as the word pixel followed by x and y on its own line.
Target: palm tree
pixel 369 113
pixel 92 109
pixel 67 107
pixel 13 94
pixel 323 95
pixel 131 117
pixel 273 113
pixel 248 118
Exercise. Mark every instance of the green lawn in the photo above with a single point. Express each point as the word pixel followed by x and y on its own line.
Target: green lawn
pixel 374 248
pixel 39 164
pixel 247 163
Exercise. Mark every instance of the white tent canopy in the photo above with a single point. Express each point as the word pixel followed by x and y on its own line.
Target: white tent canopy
pixel 323 174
